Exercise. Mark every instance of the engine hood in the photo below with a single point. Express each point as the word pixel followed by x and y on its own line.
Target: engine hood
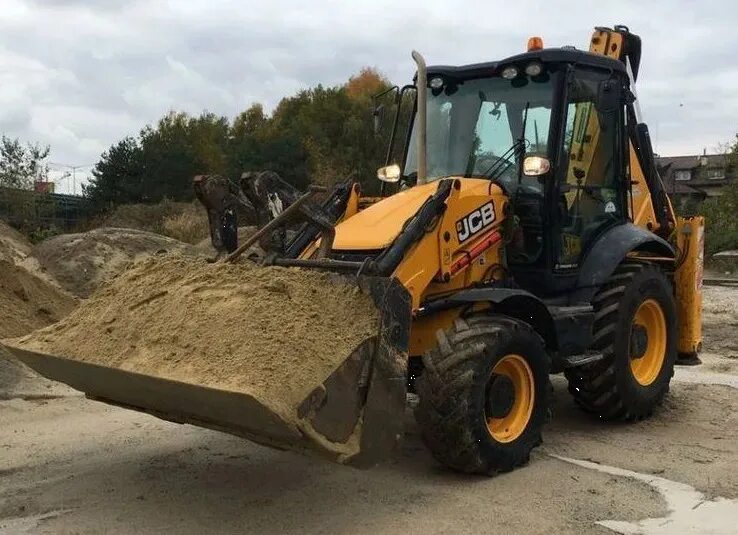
pixel 376 227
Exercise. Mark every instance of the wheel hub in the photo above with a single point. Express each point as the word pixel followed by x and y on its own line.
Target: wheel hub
pixel 638 341
pixel 501 396
pixel 648 341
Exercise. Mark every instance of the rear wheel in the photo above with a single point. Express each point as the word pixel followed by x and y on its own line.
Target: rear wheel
pixel 635 329
pixel 483 394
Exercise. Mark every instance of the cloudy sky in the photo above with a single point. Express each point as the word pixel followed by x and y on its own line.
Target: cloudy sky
pixel 79 75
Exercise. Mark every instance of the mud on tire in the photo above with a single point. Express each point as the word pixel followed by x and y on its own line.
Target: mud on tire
pixel 608 388
pixel 453 391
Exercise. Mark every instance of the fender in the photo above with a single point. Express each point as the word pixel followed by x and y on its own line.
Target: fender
pixel 512 302
pixel 609 251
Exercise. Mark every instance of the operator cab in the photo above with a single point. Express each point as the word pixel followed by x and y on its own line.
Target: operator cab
pixel 547 126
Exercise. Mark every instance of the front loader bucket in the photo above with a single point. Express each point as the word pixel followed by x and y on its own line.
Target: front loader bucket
pixel 354 416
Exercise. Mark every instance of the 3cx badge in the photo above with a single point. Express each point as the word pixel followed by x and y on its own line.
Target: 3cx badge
pixel 475 222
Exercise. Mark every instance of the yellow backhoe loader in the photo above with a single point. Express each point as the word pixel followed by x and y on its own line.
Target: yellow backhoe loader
pixel 523 230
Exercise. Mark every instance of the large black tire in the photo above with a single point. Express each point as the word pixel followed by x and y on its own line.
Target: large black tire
pixel 453 390
pixel 609 388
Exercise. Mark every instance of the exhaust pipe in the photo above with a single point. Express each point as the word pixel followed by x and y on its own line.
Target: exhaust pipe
pixel 422 117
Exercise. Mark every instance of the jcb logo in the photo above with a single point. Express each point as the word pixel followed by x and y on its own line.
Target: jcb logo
pixel 478 220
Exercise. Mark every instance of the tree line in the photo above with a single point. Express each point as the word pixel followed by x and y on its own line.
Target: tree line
pixel 320 135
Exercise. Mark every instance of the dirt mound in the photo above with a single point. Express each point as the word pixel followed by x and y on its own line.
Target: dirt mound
pixel 14 247
pixel 81 262
pixel 274 333
pixel 28 303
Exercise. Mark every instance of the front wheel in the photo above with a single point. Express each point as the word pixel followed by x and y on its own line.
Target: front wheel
pixel 483 394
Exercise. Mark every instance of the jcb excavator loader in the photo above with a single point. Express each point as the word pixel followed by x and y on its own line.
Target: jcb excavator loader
pixel 523 231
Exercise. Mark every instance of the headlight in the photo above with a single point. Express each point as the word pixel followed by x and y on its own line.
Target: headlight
pixel 390 173
pixel 436 82
pixel 536 165
pixel 533 68
pixel 508 73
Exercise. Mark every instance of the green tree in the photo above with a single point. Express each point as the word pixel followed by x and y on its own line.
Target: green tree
pixel 179 148
pixel 721 223
pixel 118 177
pixel 258 142
pixel 335 126
pixel 21 165
pixel 320 135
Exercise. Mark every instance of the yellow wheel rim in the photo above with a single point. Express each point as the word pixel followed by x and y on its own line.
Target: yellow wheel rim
pixel 647 366
pixel 510 426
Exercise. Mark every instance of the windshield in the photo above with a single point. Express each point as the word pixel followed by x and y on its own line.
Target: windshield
pixel 475 126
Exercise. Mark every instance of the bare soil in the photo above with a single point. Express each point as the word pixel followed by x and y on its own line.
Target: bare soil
pixel 71 465
pixel 27 302
pixel 76 466
pixel 720 320
pixel 82 262
pixel 274 333
pixel 14 247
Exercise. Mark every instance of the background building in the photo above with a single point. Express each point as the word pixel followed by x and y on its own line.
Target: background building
pixel 692 179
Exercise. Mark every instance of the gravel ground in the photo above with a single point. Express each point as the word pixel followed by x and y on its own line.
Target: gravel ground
pixel 70 465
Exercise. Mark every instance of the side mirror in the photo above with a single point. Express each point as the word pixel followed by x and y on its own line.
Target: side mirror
pixel 378 114
pixel 536 165
pixel 389 173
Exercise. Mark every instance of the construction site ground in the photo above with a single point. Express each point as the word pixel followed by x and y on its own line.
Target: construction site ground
pixel 72 465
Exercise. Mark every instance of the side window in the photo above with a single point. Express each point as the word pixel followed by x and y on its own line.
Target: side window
pixel 591 197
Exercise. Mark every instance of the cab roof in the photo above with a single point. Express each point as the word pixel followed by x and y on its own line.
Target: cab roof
pixel 545 55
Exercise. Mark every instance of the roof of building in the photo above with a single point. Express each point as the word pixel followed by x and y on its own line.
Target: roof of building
pixel 673 186
pixel 690 162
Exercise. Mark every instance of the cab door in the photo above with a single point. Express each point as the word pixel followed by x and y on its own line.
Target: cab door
pixel 591 192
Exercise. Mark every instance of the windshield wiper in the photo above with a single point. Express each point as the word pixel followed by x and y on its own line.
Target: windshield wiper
pixel 521 140
pixel 502 162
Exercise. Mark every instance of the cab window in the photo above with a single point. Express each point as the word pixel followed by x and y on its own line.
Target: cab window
pixel 590 192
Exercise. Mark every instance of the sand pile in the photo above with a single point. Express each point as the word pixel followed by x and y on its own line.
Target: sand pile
pixel 274 333
pixel 82 262
pixel 27 302
pixel 14 247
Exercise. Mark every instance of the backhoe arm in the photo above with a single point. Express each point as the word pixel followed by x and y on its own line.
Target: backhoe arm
pixel 651 206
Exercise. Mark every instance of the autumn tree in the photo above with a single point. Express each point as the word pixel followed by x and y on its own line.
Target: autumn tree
pixel 321 135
